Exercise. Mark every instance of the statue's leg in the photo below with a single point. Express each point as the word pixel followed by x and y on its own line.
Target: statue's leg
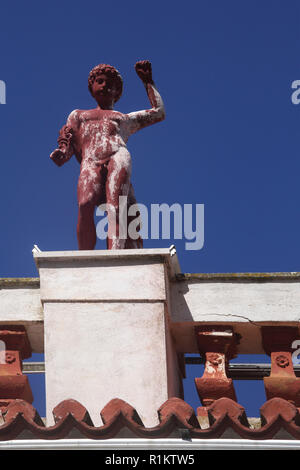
pixel 89 189
pixel 117 184
pixel 130 243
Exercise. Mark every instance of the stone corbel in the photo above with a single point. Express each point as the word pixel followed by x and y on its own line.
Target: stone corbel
pixel 282 382
pixel 14 348
pixel 218 345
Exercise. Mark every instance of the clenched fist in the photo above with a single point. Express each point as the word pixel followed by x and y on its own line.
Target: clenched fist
pixel 144 70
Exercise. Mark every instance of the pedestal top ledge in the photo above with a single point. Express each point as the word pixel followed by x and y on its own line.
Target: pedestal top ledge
pixel 102 275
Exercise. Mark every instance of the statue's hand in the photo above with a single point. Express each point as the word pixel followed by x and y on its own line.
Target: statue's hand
pixel 144 70
pixel 58 157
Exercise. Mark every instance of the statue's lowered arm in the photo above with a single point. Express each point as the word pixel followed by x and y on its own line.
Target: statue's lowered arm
pixel 65 148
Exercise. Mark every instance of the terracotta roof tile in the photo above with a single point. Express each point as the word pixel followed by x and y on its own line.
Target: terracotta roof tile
pixel 71 418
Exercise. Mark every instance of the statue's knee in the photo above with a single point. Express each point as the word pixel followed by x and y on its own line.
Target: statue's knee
pixel 113 210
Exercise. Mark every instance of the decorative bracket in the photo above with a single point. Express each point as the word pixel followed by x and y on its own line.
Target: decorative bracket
pixel 218 345
pixel 282 382
pixel 16 347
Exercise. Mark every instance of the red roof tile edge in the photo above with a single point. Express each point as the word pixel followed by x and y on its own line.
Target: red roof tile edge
pixel 224 414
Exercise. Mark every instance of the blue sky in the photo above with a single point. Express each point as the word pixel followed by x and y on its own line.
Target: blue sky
pixel 230 139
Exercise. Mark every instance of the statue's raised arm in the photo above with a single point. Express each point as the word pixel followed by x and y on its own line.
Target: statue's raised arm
pixel 141 119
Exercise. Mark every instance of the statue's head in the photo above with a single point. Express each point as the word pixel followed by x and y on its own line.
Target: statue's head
pixel 105 83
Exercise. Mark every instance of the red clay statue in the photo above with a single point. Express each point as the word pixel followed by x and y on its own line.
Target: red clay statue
pixel 98 139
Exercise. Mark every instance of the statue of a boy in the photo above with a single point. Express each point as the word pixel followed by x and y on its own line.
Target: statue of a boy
pixel 98 139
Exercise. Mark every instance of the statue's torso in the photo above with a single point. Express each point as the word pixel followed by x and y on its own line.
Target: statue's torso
pixel 100 134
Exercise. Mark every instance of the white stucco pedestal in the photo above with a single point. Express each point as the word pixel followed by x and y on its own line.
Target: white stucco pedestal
pixel 106 323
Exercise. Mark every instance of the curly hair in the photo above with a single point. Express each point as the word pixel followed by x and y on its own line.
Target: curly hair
pixel 111 73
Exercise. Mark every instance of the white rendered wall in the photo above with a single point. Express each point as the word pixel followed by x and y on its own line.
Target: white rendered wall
pixel 244 304
pixel 21 305
pixel 106 330
pixel 97 352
